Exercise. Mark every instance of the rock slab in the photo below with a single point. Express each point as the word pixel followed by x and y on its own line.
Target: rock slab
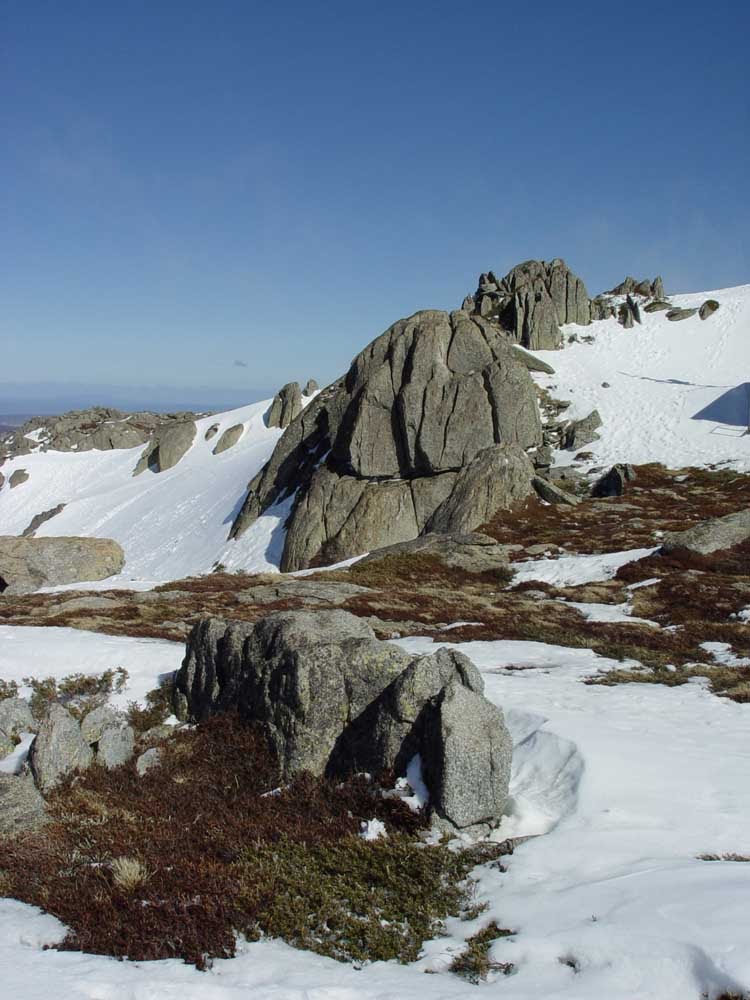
pixel 29 563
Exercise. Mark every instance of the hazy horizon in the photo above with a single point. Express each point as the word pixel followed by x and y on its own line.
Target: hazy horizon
pixel 50 399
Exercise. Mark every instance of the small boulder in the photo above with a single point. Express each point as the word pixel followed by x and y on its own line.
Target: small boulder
pixel 714 535
pixel 21 806
pixel 229 438
pixel 612 483
pixel 551 493
pixel 582 432
pixel 16 717
pixel 310 387
pixel 675 315
pixel 532 363
pixel 467 767
pixel 148 759
pixel 115 746
pixel 18 477
pixel 95 722
pixel 708 308
pixel 39 519
pixel 59 749
pixel 658 306
pixel 212 431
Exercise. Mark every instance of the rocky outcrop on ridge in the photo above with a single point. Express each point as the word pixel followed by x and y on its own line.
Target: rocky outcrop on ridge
pixel 532 301
pixel 374 455
pixel 98 428
pixel 334 700
pixel 286 406
pixel 29 563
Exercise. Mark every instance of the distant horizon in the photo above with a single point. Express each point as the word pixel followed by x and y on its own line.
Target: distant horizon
pixel 43 399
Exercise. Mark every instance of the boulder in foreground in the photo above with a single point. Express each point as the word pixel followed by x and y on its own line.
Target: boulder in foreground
pixel 334 700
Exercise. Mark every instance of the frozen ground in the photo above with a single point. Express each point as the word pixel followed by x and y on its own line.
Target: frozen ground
pixel 618 789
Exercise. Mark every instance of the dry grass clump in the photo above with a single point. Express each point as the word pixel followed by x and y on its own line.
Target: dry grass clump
pixel 178 862
pixel 129 874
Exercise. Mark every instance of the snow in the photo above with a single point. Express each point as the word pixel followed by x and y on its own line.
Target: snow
pixel 608 612
pixel 616 790
pixel 678 392
pixel 31 651
pixel 373 829
pixel 569 571
pixel 721 653
pixel 170 524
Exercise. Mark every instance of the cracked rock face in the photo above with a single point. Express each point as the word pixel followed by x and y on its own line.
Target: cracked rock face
pixel 375 454
pixel 334 700
pixel 532 301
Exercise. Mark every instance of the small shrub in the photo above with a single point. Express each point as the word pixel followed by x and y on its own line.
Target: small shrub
pixel 474 962
pixel 157 710
pixel 8 689
pixel 79 693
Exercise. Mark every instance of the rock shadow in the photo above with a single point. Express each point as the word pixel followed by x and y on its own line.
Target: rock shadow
pixel 731 408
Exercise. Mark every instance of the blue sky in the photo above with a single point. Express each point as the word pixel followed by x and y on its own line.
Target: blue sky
pixel 187 185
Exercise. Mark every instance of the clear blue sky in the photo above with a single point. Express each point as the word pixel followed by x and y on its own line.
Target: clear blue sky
pixel 187 185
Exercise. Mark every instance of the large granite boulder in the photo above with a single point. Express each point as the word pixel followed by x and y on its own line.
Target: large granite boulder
pixel 26 564
pixel 714 535
pixel 167 447
pixel 532 301
pixel 59 749
pixel 334 700
pixel 375 454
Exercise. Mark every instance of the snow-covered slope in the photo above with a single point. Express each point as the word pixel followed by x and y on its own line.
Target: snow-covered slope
pixel 678 392
pixel 170 524
pixel 671 392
